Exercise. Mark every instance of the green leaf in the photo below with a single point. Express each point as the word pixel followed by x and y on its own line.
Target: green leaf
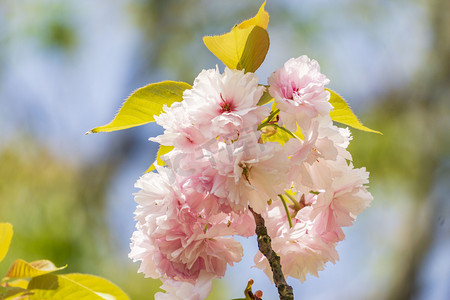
pixel 74 287
pixel 245 46
pixel 143 104
pixel 265 98
pixel 22 269
pixel 241 48
pixel 261 19
pixel 13 293
pixel 100 285
pixel 161 151
pixel 342 113
pixel 299 133
pixel 18 283
pixel 6 233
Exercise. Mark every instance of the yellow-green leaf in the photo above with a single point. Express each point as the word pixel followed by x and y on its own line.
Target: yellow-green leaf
pixel 6 233
pixel 265 98
pixel 299 133
pixel 342 113
pixel 261 19
pixel 241 48
pixel 23 269
pixel 245 46
pixel 19 283
pixel 161 151
pixel 13 293
pixel 143 104
pixel 74 287
pixel 100 285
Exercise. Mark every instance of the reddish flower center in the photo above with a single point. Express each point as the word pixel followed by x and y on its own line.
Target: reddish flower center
pixel 225 105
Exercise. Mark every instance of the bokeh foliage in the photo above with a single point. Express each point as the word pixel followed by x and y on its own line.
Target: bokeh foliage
pixel 58 214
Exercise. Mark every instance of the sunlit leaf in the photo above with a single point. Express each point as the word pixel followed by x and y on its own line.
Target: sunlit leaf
pixel 265 98
pixel 23 269
pixel 245 46
pixel 74 287
pixel 21 283
pixel 100 285
pixel 51 286
pixel 161 151
pixel 299 133
pixel 13 293
pixel 261 19
pixel 241 48
pixel 6 233
pixel 143 104
pixel 342 113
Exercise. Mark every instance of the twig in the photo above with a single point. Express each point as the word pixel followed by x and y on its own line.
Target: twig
pixel 265 246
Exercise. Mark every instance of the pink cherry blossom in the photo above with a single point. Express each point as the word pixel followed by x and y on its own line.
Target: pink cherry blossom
pixel 300 252
pixel 322 139
pixel 330 196
pixel 180 290
pixel 189 211
pixel 225 104
pixel 180 131
pixel 249 173
pixel 343 195
pixel 299 91
pixel 176 241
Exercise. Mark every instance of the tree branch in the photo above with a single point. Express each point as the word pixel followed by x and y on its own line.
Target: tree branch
pixel 265 246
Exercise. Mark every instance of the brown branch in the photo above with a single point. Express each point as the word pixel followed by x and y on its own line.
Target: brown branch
pixel 265 246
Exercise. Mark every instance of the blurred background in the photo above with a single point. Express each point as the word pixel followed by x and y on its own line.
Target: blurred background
pixel 66 66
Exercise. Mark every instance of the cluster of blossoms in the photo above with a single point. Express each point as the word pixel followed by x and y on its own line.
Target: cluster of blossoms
pixel 288 163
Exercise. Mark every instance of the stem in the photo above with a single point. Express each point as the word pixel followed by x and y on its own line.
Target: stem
pixel 272 115
pixel 265 246
pixel 269 119
pixel 286 209
pixel 291 198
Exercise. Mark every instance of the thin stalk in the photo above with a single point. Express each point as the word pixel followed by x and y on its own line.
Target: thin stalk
pixel 269 118
pixel 291 198
pixel 286 209
pixel 273 114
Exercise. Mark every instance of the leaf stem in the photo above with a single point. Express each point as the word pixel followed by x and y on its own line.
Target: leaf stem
pixel 269 119
pixel 286 209
pixel 273 114
pixel 291 197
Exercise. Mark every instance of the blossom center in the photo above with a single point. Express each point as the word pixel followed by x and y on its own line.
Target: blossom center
pixel 245 171
pixel 226 105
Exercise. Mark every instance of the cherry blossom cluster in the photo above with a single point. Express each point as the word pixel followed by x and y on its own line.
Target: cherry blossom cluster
pixel 286 161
